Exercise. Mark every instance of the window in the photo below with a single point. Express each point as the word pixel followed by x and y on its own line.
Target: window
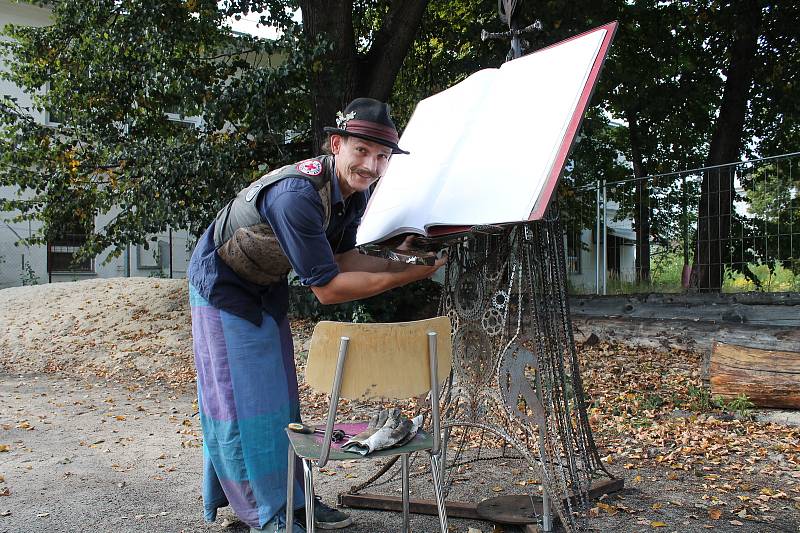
pixel 174 114
pixel 61 252
pixel 54 116
pixel 574 249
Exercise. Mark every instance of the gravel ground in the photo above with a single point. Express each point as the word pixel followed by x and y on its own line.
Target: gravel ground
pixel 93 455
pixel 96 455
pixel 97 431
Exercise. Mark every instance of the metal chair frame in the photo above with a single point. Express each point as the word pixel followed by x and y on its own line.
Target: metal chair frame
pixel 435 452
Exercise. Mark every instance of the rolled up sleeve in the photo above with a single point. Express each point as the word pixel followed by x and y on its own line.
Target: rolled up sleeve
pixel 296 215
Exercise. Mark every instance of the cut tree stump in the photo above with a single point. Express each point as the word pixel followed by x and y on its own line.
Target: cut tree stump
pixel 769 378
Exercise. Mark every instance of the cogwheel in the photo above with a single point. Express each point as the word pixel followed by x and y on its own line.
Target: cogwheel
pixel 492 322
pixel 469 296
pixel 500 300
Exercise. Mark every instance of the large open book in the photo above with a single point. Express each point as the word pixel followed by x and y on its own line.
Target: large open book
pixel 490 149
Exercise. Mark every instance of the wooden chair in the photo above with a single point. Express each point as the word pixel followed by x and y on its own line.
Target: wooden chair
pixel 363 361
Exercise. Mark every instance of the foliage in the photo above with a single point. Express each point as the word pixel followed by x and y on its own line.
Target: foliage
pixel 741 406
pixel 28 275
pixel 113 70
pixel 411 302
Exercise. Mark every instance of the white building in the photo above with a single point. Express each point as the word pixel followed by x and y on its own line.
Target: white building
pixel 617 252
pixel 167 256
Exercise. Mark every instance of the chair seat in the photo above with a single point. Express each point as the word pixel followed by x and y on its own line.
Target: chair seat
pixel 308 446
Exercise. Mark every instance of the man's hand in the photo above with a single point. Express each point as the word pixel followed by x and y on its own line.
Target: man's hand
pixel 353 283
pixel 426 271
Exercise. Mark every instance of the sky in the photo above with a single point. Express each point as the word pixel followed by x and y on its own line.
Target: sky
pixel 249 24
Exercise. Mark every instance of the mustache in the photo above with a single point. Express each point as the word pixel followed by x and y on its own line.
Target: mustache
pixel 364 172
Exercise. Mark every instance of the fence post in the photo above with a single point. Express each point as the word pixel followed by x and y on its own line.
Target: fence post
pixel 170 253
pixel 605 240
pixel 597 239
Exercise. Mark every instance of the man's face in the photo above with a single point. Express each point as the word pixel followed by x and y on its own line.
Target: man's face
pixel 359 163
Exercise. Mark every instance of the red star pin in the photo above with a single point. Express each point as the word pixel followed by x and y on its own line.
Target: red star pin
pixel 310 167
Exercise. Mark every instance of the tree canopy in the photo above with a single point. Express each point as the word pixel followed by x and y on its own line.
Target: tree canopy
pixel 688 83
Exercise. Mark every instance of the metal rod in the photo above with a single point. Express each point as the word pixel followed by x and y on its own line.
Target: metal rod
pixel 436 473
pixel 695 170
pixel 170 253
pixel 290 491
pixel 547 513
pixel 406 506
pixel 309 482
pixel 434 367
pixel 334 401
pixel 605 240
pixel 597 240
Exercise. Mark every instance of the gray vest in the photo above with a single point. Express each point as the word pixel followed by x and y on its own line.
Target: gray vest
pixel 246 242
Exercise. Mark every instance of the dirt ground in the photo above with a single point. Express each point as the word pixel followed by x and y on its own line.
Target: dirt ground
pixel 98 433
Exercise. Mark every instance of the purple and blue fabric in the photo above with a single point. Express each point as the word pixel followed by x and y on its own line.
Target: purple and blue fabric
pixel 247 394
pixel 246 380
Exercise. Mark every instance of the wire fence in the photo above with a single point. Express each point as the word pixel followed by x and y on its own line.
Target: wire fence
pixel 729 228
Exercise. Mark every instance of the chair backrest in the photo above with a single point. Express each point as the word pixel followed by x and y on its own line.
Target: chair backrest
pixel 383 360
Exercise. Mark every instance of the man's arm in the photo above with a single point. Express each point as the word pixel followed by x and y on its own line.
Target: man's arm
pixel 352 261
pixel 355 285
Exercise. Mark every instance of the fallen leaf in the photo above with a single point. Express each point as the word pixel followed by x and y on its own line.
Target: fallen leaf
pixel 714 513
pixel 5 448
pixel 655 523
pixel 735 523
pixel 610 509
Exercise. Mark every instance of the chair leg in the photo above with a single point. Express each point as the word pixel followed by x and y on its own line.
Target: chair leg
pixel 437 488
pixel 290 492
pixel 406 505
pixel 309 482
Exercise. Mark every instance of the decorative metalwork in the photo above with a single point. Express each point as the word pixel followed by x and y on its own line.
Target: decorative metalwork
pixel 515 370
pixel 533 396
pixel 468 295
pixel 493 322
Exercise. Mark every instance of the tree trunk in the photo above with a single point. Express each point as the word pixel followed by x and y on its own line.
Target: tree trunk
pixel 333 74
pixel 343 73
pixel 641 221
pixel 717 189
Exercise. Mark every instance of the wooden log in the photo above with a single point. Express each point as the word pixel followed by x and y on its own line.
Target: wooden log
pixel 722 309
pixel 684 334
pixel 769 378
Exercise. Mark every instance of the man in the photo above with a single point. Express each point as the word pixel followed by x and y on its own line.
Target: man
pixel 301 217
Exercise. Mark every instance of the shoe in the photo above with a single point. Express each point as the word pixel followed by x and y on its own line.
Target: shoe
pixel 325 517
pixel 278 525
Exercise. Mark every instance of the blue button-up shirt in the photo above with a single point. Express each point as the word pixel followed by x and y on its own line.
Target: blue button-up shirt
pixel 292 207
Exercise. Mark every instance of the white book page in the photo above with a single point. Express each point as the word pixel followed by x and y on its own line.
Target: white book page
pixel 501 168
pixel 411 183
pixel 481 151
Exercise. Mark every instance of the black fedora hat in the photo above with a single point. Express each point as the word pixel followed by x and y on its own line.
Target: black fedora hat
pixel 368 119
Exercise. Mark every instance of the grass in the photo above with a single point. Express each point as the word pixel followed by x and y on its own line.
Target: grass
pixel 666 269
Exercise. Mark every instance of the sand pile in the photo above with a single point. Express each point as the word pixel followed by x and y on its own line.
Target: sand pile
pixel 139 328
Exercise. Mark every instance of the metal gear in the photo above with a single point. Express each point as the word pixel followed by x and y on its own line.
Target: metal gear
pixel 469 296
pixel 492 322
